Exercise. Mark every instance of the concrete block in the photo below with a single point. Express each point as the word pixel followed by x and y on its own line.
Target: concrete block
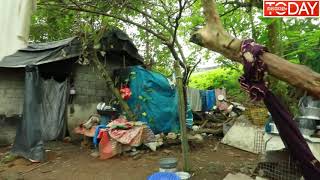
pixel 101 92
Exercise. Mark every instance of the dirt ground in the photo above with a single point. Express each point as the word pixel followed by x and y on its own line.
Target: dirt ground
pixel 68 161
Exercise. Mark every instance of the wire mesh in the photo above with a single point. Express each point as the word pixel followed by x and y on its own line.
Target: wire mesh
pixel 281 170
pixel 259 144
pixel 274 165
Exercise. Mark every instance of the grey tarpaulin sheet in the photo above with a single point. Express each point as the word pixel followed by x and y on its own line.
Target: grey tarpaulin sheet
pixel 42 53
pixel 43 114
pixel 115 43
pixel 52 109
pixel 28 142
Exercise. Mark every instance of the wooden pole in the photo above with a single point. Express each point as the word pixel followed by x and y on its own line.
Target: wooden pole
pixel 182 118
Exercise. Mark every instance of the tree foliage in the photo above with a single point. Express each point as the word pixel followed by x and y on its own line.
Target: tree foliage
pixel 162 28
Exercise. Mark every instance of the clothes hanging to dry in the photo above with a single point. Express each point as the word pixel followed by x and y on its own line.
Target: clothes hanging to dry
pixel 194 99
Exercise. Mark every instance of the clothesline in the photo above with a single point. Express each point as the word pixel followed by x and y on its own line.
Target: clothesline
pixel 205 100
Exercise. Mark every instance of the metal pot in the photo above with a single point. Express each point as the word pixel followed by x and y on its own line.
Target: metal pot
pixel 307 126
pixel 309 107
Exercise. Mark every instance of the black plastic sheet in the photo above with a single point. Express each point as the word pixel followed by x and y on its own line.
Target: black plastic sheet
pixel 43 114
pixel 28 141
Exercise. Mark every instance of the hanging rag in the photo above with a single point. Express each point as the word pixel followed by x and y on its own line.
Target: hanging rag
pixel 203 97
pixel 210 99
pixel 194 99
pixel 253 82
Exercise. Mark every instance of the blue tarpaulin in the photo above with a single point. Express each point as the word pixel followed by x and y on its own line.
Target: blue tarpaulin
pixel 153 100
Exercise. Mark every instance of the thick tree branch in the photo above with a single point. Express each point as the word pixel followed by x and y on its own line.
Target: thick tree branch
pixel 214 37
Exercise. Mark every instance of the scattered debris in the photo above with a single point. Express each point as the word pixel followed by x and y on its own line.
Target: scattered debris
pixel 167 151
pixel 8 157
pixel 11 176
pixel 172 135
pixel 36 167
pixel 94 154
pixel 216 146
pixel 238 176
pixel 67 139
pixel 134 153
pixel 196 138
pixel 138 156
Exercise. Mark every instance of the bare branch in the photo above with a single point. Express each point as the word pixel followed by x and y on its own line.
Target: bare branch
pixel 161 37
pixel 151 17
pixel 191 71
pixel 230 11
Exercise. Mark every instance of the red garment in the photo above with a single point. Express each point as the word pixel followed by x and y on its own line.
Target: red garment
pixel 125 92
pixel 105 145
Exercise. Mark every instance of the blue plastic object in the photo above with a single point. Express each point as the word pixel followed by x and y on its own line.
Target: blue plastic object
pixel 153 100
pixel 95 138
pixel 105 119
pixel 164 176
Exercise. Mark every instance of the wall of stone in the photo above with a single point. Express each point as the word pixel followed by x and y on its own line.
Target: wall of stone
pixel 90 89
pixel 11 91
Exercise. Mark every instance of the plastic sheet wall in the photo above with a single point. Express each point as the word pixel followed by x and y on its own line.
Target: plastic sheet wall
pixel 43 114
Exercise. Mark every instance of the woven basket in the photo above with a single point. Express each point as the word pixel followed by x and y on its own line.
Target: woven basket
pixel 258 116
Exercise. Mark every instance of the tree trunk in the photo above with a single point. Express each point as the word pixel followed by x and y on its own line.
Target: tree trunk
pixel 214 37
pixel 182 117
pixel 274 38
pixel 110 84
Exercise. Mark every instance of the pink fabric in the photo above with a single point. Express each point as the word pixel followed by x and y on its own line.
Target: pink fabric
pixel 129 136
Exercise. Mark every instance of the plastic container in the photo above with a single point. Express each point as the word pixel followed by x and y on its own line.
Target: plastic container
pixel 172 170
pixel 183 175
pixel 164 176
pixel 168 165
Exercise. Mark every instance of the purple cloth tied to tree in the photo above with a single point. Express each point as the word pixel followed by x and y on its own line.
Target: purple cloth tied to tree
pixel 253 82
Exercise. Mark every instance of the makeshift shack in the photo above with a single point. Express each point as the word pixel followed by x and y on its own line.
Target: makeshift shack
pixel 36 81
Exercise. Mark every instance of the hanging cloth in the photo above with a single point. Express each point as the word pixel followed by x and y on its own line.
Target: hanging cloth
pixel 194 99
pixel 210 99
pixel 253 82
